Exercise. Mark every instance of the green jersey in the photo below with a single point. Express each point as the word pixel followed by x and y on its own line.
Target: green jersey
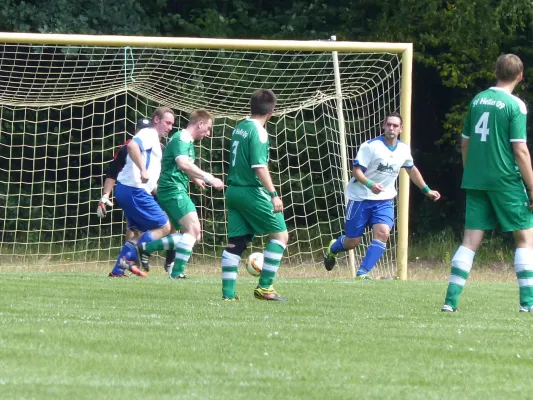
pixel 181 144
pixel 249 150
pixel 495 119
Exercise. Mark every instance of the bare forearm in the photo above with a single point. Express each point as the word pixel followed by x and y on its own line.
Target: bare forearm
pixel 264 176
pixel 523 161
pixel 416 177
pixel 191 169
pixel 464 150
pixel 359 175
pixel 134 151
pixel 109 184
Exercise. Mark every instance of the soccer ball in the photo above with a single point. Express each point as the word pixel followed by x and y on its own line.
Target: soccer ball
pixel 254 264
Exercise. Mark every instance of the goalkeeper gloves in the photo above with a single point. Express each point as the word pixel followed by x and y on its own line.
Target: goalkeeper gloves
pixel 101 211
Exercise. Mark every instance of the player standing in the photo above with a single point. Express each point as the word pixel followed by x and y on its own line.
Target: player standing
pixel 254 205
pixel 496 164
pixel 370 194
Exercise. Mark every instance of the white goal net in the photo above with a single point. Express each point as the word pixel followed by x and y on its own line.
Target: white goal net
pixel 64 110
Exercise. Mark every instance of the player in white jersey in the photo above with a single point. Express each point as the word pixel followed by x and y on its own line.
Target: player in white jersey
pixel 136 182
pixel 370 194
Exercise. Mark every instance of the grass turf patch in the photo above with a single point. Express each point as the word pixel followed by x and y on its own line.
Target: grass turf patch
pixel 85 336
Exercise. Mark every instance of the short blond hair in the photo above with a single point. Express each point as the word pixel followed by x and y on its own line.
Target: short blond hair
pixel 508 68
pixel 200 115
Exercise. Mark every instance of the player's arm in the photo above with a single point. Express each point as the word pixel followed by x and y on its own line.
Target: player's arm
pixel 264 177
pixel 417 179
pixel 135 152
pixel 359 175
pixel 464 148
pixel 523 160
pixel 110 179
pixel 194 172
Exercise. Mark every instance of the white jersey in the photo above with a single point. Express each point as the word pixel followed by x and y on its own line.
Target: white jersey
pixel 148 141
pixel 381 164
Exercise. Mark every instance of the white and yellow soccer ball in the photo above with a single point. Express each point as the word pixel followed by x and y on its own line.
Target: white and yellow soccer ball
pixel 254 264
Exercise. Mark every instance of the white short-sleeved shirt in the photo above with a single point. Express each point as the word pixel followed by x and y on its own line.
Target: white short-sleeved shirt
pixel 381 164
pixel 148 141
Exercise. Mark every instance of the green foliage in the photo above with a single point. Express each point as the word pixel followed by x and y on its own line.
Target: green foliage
pixel 456 43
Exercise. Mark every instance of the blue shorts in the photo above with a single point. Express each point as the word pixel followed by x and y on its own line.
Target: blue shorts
pixel 140 208
pixel 360 214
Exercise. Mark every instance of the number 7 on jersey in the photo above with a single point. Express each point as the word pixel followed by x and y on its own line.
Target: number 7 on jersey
pixel 234 152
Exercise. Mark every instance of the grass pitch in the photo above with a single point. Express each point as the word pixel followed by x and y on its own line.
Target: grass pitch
pixel 86 336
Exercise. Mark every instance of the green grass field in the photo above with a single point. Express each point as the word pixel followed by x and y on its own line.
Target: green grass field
pixel 85 336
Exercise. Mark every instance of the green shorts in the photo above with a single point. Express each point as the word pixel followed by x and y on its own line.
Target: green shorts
pixel 176 204
pixel 250 212
pixel 485 208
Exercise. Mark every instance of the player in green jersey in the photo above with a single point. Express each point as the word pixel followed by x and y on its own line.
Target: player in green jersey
pixel 496 165
pixel 177 167
pixel 254 206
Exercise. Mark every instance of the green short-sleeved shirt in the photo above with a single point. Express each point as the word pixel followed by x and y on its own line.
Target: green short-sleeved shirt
pixel 495 119
pixel 249 149
pixel 181 144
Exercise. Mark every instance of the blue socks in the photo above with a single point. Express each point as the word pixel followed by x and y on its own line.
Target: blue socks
pixel 338 246
pixel 127 251
pixel 373 254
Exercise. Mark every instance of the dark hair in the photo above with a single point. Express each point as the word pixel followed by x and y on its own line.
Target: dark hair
pixel 200 115
pixel 508 67
pixel 263 102
pixel 394 114
pixel 161 111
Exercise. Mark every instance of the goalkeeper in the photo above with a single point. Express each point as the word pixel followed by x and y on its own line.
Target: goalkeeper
pixel 370 193
pixel 115 166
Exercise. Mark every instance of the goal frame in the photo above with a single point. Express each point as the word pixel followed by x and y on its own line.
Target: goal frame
pixel 404 49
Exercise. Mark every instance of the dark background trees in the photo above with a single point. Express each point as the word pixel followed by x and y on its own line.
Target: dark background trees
pixel 456 44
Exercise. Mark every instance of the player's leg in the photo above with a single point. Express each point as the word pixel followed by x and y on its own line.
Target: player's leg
pixel 257 210
pixel 190 233
pixel 131 237
pixel 479 217
pixel 182 214
pixel 272 255
pixel 231 257
pixel 382 221
pixel 514 215
pixel 240 233
pixel 144 215
pixel 357 219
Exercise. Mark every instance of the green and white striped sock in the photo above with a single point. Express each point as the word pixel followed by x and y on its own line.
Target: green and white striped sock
pixel 272 259
pixel 183 253
pixel 523 266
pixel 461 266
pixel 230 268
pixel 167 243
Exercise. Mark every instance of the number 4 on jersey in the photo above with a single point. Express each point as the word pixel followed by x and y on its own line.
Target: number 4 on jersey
pixel 482 126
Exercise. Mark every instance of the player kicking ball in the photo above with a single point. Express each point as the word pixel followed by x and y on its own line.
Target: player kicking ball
pixel 370 195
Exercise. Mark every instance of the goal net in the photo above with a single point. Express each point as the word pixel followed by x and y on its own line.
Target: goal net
pixel 64 110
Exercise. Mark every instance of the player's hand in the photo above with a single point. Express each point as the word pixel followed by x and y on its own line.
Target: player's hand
pixel 376 188
pixel 530 195
pixel 217 183
pixel 199 183
pixel 101 211
pixel 433 195
pixel 278 204
pixel 144 176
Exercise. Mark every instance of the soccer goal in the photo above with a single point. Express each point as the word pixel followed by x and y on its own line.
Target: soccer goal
pixel 68 101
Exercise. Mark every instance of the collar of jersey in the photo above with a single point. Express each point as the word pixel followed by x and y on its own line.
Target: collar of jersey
pixel 391 148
